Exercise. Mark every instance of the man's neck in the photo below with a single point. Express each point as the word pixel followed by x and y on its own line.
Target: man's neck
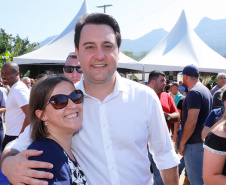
pixel 159 93
pixel 100 90
pixel 191 85
pixel 13 83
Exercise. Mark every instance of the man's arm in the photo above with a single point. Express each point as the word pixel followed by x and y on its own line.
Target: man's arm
pixel 189 128
pixel 173 112
pixel 2 110
pixel 160 144
pixel 174 117
pixel 175 135
pixel 26 123
pixel 18 169
pixel 16 166
pixel 176 125
pixel 170 176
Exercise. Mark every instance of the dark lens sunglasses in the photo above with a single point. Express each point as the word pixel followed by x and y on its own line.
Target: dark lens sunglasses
pixel 70 69
pixel 60 101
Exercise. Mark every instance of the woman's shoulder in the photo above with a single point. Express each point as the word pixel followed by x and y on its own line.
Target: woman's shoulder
pixel 220 130
pixel 215 141
pixel 45 144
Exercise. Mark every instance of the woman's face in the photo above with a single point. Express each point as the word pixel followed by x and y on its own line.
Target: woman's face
pixel 66 120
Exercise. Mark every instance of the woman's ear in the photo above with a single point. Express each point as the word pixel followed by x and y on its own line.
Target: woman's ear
pixel 40 114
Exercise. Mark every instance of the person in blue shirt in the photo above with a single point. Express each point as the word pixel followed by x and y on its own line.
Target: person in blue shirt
pixel 174 91
pixel 181 88
pixel 55 114
pixel 214 117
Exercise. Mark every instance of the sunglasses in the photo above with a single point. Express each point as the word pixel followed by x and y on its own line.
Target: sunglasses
pixel 60 101
pixel 70 69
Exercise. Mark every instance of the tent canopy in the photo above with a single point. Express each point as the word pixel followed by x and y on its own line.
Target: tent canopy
pixel 182 47
pixel 58 49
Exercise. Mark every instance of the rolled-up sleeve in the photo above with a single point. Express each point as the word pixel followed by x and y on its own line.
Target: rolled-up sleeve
pixel 160 144
pixel 22 142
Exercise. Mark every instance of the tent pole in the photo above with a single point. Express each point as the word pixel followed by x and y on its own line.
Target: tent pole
pixel 143 75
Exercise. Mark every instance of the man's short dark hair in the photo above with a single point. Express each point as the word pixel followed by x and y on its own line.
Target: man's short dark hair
pixel 71 55
pixel 97 18
pixel 154 75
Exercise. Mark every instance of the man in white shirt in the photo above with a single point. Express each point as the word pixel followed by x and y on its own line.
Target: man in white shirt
pixel 16 104
pixel 27 82
pixel 119 118
pixel 221 81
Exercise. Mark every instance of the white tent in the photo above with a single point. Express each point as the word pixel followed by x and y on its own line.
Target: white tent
pixel 58 49
pixel 182 47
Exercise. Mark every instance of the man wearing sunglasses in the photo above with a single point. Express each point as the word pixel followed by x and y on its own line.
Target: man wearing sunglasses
pixel 72 69
pixel 119 118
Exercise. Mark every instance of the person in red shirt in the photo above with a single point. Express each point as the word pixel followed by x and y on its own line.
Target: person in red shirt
pixel 157 82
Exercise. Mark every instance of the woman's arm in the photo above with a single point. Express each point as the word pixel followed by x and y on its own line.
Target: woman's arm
pixel 213 165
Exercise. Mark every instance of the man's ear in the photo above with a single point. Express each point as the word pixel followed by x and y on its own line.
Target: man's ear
pixel 153 82
pixel 40 115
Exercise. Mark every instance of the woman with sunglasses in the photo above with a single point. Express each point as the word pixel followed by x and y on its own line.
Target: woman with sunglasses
pixel 55 114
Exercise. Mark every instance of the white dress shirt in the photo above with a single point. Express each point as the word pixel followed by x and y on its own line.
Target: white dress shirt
pixel 111 146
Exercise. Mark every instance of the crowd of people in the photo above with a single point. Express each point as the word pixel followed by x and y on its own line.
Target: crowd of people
pixel 92 126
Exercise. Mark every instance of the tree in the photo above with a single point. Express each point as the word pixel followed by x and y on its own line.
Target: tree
pixel 131 55
pixel 13 46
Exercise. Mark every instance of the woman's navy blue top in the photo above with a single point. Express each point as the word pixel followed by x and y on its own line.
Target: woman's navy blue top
pixel 65 170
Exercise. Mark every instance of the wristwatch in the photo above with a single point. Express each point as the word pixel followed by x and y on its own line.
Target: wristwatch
pixel 168 117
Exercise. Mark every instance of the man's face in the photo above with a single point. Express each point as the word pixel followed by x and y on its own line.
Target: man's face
pixel 74 76
pixel 9 76
pixel 174 89
pixel 180 84
pixel 98 53
pixel 221 80
pixel 27 82
pixel 160 84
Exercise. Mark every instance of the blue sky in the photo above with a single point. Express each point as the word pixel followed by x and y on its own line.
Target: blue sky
pixel 39 19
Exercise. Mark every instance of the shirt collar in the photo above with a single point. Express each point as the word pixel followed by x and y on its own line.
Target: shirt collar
pixel 120 86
